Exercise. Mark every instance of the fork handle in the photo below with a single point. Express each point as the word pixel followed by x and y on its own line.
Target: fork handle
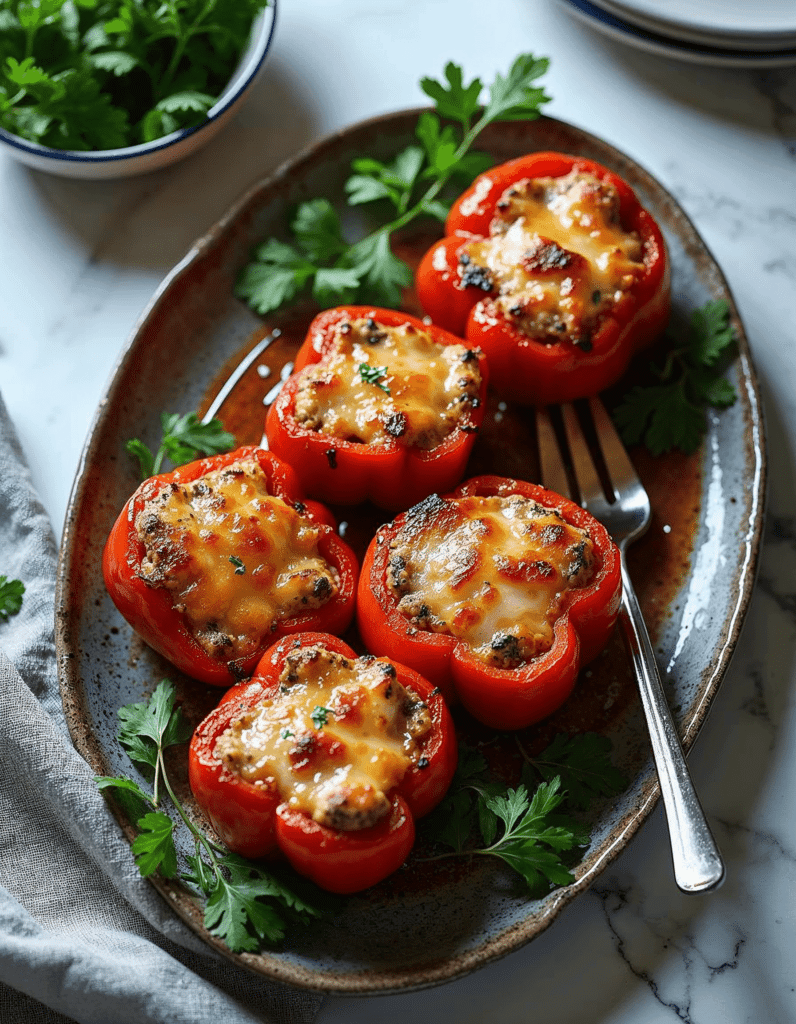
pixel 698 866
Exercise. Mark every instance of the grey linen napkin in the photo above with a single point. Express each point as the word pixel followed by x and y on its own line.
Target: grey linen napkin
pixel 80 931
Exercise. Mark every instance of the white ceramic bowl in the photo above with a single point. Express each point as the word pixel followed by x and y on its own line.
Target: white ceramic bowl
pixel 151 156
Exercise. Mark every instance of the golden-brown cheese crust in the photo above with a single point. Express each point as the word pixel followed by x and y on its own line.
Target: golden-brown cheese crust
pixel 491 571
pixel 236 560
pixel 423 392
pixel 335 740
pixel 557 256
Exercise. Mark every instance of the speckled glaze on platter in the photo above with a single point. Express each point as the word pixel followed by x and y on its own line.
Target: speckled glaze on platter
pixel 425 925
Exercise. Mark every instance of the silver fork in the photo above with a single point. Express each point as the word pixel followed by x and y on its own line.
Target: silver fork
pixel 626 515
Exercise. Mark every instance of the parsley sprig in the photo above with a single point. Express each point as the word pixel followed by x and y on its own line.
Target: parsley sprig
pixel 102 74
pixel 11 592
pixel 526 827
pixel 246 906
pixel 671 413
pixel 321 259
pixel 374 375
pixel 184 438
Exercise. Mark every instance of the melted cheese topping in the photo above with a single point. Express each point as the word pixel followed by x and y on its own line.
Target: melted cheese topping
pixel 236 559
pixel 381 384
pixel 335 740
pixel 490 571
pixel 557 257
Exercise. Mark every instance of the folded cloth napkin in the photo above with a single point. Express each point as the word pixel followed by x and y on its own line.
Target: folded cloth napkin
pixel 80 931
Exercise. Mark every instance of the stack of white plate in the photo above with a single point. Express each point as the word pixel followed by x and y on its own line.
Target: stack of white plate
pixel 732 33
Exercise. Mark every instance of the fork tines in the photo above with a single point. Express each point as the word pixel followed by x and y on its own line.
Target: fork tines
pixel 572 459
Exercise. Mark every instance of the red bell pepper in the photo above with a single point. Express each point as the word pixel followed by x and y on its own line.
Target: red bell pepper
pixel 391 473
pixel 254 819
pixel 150 610
pixel 503 698
pixel 538 370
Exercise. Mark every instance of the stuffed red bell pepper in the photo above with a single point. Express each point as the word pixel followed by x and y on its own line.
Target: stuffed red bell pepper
pixel 552 267
pixel 382 407
pixel 213 562
pixel 498 593
pixel 326 759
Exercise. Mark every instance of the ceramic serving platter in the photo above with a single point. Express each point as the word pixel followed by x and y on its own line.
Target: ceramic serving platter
pixel 431 922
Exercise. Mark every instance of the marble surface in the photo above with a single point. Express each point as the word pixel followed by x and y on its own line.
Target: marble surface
pixel 80 261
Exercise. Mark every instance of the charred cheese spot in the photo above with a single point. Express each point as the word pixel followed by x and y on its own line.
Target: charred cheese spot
pixel 425 390
pixel 335 740
pixel 490 571
pixel 557 257
pixel 236 560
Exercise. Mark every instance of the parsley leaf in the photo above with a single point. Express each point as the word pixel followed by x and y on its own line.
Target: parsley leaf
pixel 380 274
pixel 320 716
pixel 373 375
pixel 154 848
pixel 277 275
pixel 453 820
pixel 242 908
pixel 525 826
pixel 321 260
pixel 128 794
pixel 671 413
pixel 453 99
pixel 583 764
pixel 184 438
pixel 527 831
pixel 235 913
pixel 11 592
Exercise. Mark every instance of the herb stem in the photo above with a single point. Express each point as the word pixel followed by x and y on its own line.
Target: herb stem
pixel 159 457
pixel 195 832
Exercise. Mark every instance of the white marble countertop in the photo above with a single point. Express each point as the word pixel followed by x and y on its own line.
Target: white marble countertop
pixel 80 261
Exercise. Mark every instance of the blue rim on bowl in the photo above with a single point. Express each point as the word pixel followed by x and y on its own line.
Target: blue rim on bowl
pixel 146 156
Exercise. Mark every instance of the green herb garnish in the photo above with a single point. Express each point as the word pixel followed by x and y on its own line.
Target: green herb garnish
pixel 336 271
pixel 184 439
pixel 671 414
pixel 240 568
pixel 103 74
pixel 582 763
pixel 246 906
pixel 320 716
pixel 373 375
pixel 11 592
pixel 525 826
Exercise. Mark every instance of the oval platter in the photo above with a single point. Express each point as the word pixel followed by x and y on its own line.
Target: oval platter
pixel 694 570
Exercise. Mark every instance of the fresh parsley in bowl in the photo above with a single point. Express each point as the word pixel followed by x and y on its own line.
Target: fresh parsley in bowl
pixel 108 88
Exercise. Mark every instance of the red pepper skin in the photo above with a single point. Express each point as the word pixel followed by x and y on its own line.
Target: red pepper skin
pixel 522 369
pixel 255 822
pixel 150 610
pixel 345 862
pixel 500 698
pixel 343 472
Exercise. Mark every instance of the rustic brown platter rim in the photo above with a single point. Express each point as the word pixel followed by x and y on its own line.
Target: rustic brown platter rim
pixel 101 667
